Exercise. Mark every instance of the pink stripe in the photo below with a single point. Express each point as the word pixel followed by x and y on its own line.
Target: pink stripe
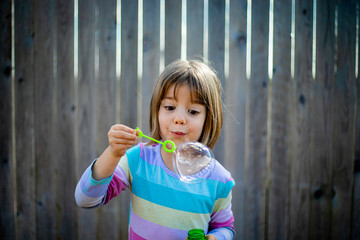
pixel 228 223
pixel 134 236
pixel 116 186
pixel 149 230
pixel 141 145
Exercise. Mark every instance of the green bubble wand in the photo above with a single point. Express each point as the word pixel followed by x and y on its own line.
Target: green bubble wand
pixel 157 141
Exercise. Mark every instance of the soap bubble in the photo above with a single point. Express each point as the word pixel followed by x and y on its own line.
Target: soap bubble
pixel 193 162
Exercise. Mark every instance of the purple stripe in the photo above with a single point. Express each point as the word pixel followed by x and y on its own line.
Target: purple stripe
pixel 149 230
pixel 222 215
pixel 122 175
pixel 151 154
pixel 220 174
pixel 90 190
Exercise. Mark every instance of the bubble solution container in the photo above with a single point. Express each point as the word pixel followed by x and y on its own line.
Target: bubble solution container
pixel 196 234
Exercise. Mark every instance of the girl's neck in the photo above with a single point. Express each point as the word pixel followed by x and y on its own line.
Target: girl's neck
pixel 167 159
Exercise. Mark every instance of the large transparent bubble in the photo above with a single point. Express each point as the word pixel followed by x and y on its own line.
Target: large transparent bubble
pixel 193 162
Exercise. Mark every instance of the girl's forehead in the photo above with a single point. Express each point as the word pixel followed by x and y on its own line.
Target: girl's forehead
pixel 184 89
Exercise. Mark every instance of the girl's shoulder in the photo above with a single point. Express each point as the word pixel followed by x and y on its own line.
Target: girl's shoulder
pixel 224 180
pixel 221 173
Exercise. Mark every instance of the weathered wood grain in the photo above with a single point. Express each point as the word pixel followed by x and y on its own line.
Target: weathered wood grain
pixel 216 48
pixel 235 96
pixel 278 157
pixel 301 128
pixel 65 120
pixel 7 183
pixel 195 28
pixel 24 122
pixel 106 107
pixel 86 109
pixel 44 96
pixel 128 87
pixel 172 30
pixel 255 160
pixel 322 122
pixel 344 122
pixel 151 57
pixel 355 221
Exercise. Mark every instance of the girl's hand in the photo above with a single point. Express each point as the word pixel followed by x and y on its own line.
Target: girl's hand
pixel 210 237
pixel 121 138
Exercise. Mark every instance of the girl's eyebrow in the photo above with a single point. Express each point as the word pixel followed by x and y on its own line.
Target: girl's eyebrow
pixel 171 98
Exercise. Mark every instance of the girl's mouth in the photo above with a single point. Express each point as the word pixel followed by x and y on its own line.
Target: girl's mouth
pixel 178 134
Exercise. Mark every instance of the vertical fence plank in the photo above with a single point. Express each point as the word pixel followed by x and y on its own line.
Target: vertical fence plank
pixel 128 80
pixel 216 33
pixel 151 56
pixel 24 122
pixel 322 122
pixel 86 221
pixel 106 104
pixel 279 117
pixel 255 161
pixel 301 131
pixel 195 28
pixel 172 30
pixel 344 121
pixel 44 118
pixel 7 221
pixel 65 104
pixel 235 111
pixel 128 86
pixel 355 221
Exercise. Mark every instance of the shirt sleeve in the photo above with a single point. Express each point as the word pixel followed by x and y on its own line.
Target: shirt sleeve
pixel 222 218
pixel 91 193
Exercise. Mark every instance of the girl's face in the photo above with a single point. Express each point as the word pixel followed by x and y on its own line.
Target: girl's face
pixel 181 120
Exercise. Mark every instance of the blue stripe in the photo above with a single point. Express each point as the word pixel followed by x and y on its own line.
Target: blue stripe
pixel 94 182
pixel 153 184
pixel 171 198
pixel 155 174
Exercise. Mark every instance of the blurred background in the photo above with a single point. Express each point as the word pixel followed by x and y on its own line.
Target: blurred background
pixel 290 76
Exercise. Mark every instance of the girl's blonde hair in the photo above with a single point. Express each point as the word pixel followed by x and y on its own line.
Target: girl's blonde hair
pixel 204 86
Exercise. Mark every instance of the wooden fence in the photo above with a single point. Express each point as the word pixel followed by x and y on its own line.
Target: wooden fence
pixel 291 138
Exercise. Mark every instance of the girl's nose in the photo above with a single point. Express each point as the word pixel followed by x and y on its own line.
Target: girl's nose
pixel 179 120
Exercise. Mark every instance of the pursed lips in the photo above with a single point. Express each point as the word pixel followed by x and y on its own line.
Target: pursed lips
pixel 178 133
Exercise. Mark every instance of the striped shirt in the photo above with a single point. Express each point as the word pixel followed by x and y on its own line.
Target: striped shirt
pixel 162 206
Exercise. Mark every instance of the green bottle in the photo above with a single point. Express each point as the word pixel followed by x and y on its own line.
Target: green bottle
pixel 196 234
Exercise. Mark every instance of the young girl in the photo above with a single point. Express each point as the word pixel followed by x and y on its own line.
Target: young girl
pixel 185 106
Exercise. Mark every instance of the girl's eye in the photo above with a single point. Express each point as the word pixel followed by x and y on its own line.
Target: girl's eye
pixel 193 112
pixel 169 108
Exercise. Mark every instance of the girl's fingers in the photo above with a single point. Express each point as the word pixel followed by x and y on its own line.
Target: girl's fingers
pixel 121 134
pixel 121 138
pixel 123 128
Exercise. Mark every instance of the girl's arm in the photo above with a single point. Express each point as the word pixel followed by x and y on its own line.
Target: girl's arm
pixel 222 219
pixel 91 193
pixel 99 183
pixel 120 138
